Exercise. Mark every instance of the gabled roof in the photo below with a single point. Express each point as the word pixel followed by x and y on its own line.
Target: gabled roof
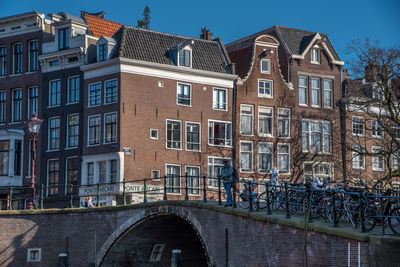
pixel 100 26
pixel 152 46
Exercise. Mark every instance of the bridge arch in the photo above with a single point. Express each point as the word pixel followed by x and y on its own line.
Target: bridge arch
pixel 154 216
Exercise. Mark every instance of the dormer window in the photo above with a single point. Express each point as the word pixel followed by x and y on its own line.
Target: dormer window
pixel 105 46
pixel 184 58
pixel 265 66
pixel 315 56
pixel 63 38
pixel 103 52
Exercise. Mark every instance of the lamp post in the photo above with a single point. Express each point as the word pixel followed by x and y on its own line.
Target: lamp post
pixel 34 127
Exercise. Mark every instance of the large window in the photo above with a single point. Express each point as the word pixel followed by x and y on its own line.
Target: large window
pixel 219 133
pixel 378 159
pixel 110 131
pixel 53 176
pixel 17 58
pixel 265 156
pixel 63 38
pixel 113 171
pixel 265 121
pixel 377 131
pixel 184 94
pixel 73 173
pixel 303 90
pixel 315 92
pixel 316 136
pixel 215 165
pixel 246 156
pixel 111 92
pixel 17 157
pixel 265 66
pixel 4 157
pixel 73 90
pixel 55 93
pixel 193 179
pixel 358 126
pixel 358 157
pixel 33 55
pixel 265 88
pixel 193 136
pixel 184 58
pixel 283 123
pixel 73 131
pixel 102 52
pixel 174 134
pixel 102 172
pixel 284 158
pixel 94 94
pixel 173 173
pixel 54 133
pixel 246 119
pixel 220 99
pixel 3 61
pixel 328 89
pixel 94 130
pixel 3 106
pixel 17 105
pixel 315 55
pixel 33 102
pixel 90 173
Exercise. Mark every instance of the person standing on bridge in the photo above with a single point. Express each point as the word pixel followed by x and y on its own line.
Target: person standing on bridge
pixel 227 180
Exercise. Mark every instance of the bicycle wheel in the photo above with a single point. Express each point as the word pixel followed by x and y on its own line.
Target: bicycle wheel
pixel 394 220
pixel 370 218
pixel 244 200
pixel 262 201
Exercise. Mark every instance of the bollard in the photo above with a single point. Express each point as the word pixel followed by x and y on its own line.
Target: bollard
pixel 124 191
pixel 98 195
pixel 250 196
pixel 71 196
pixel 41 196
pixel 219 191
pixel 268 199
pixel 144 191
pixel 204 189
pixel 176 260
pixel 165 188
pixel 287 200
pixel 186 187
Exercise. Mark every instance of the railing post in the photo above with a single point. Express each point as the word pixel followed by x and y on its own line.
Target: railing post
pixel 333 206
pixel 268 199
pixel 165 188
pixel 144 191
pixel 71 196
pixel 361 204
pixel 204 189
pixel 234 193
pixel 98 195
pixel 287 200
pixel 124 191
pixel 382 215
pixel 250 196
pixel 186 187
pixel 219 191
pixel 11 197
pixel 308 209
pixel 41 196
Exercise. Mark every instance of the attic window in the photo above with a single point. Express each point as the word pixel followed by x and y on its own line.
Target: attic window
pixel 102 52
pixel 315 55
pixel 184 57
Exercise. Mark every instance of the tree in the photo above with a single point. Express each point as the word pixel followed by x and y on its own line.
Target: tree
pixel 374 94
pixel 145 22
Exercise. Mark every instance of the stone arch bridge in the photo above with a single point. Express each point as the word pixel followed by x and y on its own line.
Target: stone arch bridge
pixel 208 235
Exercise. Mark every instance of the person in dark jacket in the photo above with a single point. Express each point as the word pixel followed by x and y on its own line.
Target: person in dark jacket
pixel 227 180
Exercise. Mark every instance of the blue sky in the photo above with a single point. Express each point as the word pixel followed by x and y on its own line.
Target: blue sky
pixel 342 20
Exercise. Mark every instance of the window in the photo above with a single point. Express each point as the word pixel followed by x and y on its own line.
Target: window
pixel 303 91
pixel 73 173
pixel 73 90
pixel 63 38
pixel 94 94
pixel 54 63
pixel 284 158
pixel 215 165
pixel 54 133
pixel 184 94
pixel 94 130
pixel 193 136
pixel 265 121
pixel 316 136
pixel 73 131
pixel 315 92
pixel 395 161
pixel 220 100
pixel 378 94
pixel 283 123
pixel 358 126
pixel 396 130
pixel 17 58
pixel 328 88
pixel 184 58
pixel 173 173
pixel 246 119
pixel 154 134
pixel 219 133
pixel 3 61
pixel 318 169
pixel 111 92
pixel 315 55
pixel 55 93
pixel 246 156
pixel 4 157
pixel 3 106
pixel 265 66
pixel 155 174
pixel 53 176
pixel 33 55
pixel 358 157
pixel 265 156
pixel 113 171
pixel 174 134
pixel 102 52
pixel 378 160
pixel 33 102
pixel 90 173
pixel 110 131
pixel 17 157
pixel 193 180
pixel 17 105
pixel 265 88
pixel 102 172
pixel 34 255
pixel 157 252
pixel 377 131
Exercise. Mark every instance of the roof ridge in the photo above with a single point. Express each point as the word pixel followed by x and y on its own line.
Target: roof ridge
pixel 101 18
pixel 291 28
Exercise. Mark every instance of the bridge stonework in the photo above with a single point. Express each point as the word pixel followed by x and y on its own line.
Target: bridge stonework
pixel 231 237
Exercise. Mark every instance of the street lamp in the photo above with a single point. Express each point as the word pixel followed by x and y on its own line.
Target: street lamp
pixel 34 127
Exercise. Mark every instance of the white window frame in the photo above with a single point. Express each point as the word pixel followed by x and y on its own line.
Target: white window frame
pixel 67 141
pixel 48 176
pixel 226 99
pixel 177 94
pixel 68 89
pixel 307 90
pixel 29 56
pixel 268 61
pixel 277 156
pixel 251 152
pixel 105 128
pixel 13 59
pixel 242 106
pixel 172 141
pixel 280 118
pixel 159 175
pixel 49 136
pixel 395 160
pixel 269 144
pixel 50 88
pixel 88 130
pixel 186 136
pixel 328 91
pixel 105 92
pixel 39 250
pixel 180 178
pixel 318 89
pixel 29 101
pixel 211 182
pixel 12 105
pixel 322 133
pixel 374 128
pixel 199 188
pixel 263 116
pixel 377 159
pixel 154 138
pixel 264 95
pixel 89 96
pixel 190 55
pixel 315 55
pixel 352 126
pixel 356 158
pixel 227 142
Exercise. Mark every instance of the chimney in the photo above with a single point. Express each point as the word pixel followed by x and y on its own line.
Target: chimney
pixel 206 34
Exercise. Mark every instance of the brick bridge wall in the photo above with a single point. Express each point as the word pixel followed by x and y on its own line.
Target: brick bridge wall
pixel 254 239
